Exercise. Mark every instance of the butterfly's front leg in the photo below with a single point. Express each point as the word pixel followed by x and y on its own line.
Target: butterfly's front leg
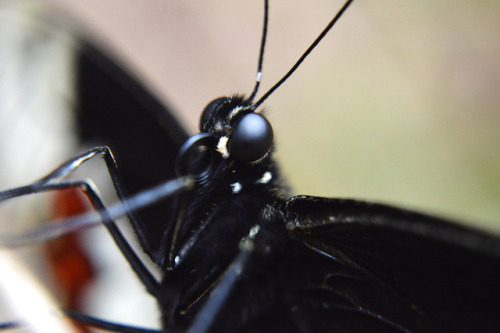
pixel 56 180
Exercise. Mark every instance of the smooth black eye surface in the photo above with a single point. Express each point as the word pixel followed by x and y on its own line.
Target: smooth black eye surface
pixel 208 112
pixel 251 139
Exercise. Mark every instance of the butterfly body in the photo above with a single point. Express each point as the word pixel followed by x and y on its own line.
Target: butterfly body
pixel 300 264
pixel 234 200
pixel 316 263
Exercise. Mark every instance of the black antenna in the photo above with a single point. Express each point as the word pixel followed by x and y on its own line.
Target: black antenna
pixel 301 59
pixel 261 52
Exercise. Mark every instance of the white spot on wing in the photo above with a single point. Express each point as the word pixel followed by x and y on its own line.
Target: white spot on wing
pixel 222 147
pixel 266 178
pixel 236 187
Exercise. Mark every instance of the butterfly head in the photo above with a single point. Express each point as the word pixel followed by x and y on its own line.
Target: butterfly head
pixel 230 130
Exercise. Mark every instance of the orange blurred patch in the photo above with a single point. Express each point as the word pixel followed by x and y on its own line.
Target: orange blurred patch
pixel 72 270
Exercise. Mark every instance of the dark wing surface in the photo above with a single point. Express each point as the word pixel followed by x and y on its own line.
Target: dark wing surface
pixel 396 269
pixel 117 111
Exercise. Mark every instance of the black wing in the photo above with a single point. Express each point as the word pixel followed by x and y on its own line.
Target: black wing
pixel 403 269
pixel 116 111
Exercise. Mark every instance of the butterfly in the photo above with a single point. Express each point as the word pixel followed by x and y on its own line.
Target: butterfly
pixel 367 273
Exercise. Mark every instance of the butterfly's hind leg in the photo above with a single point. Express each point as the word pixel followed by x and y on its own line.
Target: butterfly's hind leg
pixel 54 181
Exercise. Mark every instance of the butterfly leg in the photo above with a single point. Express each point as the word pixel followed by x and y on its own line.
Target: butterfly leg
pixel 208 313
pixel 53 182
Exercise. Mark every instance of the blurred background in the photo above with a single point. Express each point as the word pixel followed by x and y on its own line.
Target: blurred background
pixel 399 104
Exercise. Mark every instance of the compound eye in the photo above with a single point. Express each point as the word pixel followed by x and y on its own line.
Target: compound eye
pixel 251 138
pixel 209 111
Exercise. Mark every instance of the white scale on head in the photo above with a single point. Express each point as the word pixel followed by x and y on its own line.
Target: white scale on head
pixel 266 178
pixel 222 147
pixel 234 112
pixel 222 144
pixel 236 187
